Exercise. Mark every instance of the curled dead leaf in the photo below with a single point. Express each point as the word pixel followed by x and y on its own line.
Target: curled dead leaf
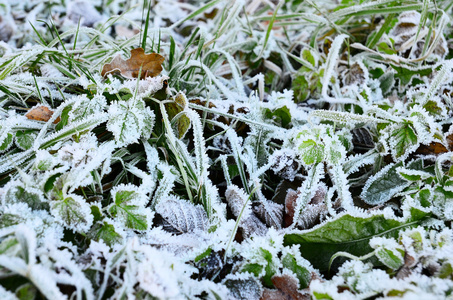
pixel 287 288
pixel 150 64
pixel 41 113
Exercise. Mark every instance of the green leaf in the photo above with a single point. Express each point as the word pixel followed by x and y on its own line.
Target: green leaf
pixel 203 255
pixel 387 82
pixel 381 187
pixel 50 182
pixel 349 234
pixel 96 212
pixel 281 116
pixel 425 197
pixel 270 268
pixel 175 115
pixel 106 232
pixel 7 220
pixel 306 54
pixel 405 75
pixel 384 47
pixel 33 200
pixel 73 211
pixel 25 138
pixel 126 208
pixel 301 89
pixel 391 259
pixel 433 108
pixel 7 142
pixel 125 121
pixel 9 245
pixel 64 117
pixel 26 292
pixel 304 276
pixel 254 269
pixel 446 271
pixel 311 152
pixel 403 140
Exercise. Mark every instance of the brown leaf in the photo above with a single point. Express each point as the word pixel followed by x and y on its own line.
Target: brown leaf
pixel 151 65
pixel 290 206
pixel 41 113
pixel 433 148
pixel 287 288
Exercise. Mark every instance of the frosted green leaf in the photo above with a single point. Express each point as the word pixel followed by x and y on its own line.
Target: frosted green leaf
pixel 344 117
pixel 311 152
pixel 289 262
pixel 391 259
pixel 25 138
pixel 349 234
pixel 403 140
pixel 73 212
pixel 31 197
pixel 128 207
pixel 106 232
pixel 124 122
pixel 7 142
pixel 382 186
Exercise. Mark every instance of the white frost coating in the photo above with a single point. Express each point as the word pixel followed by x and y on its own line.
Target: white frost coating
pixel 284 163
pixel 165 185
pixel 237 199
pixel 125 121
pixel 72 212
pixel 331 63
pixel 342 186
pixel 308 189
pixel 183 215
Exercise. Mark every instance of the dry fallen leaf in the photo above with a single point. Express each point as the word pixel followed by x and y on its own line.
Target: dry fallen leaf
pixel 287 288
pixel 151 65
pixel 41 113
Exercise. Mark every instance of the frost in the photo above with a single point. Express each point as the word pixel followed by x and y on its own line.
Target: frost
pixel 183 216
pixel 73 212
pixel 284 163
pixel 271 149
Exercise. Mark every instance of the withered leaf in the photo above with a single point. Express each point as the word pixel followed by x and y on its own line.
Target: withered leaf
pixel 174 108
pixel 150 64
pixel 41 113
pixel 433 148
pixel 287 288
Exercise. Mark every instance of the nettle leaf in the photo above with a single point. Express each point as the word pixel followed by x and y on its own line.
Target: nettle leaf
pixel 405 74
pixel 32 197
pixel 106 232
pixel 183 216
pixel 403 140
pixel 382 186
pixel 73 212
pixel 124 122
pixel 311 152
pixel 348 233
pixel 25 139
pixel 84 107
pixel 129 207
